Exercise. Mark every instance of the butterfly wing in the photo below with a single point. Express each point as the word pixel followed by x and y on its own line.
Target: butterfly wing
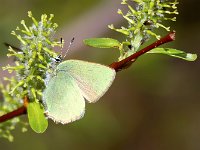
pixel 63 99
pixel 93 79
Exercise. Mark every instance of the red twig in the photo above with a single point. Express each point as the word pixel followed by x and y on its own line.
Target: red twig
pixel 18 112
pixel 123 64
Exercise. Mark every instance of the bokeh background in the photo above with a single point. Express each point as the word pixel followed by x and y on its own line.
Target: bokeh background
pixel 154 105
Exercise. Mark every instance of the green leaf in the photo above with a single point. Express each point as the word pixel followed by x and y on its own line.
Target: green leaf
pixel 36 117
pixel 175 53
pixel 102 42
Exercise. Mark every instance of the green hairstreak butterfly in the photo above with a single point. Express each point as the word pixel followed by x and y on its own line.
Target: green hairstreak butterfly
pixel 74 82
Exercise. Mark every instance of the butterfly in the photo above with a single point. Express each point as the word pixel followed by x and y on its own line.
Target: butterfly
pixel 74 82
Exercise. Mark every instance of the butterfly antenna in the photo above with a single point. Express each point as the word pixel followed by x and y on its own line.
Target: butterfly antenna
pixel 61 50
pixel 72 40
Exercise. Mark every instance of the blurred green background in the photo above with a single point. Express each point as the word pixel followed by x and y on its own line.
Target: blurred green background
pixel 154 105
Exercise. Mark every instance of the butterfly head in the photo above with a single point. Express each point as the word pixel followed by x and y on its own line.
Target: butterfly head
pixel 60 57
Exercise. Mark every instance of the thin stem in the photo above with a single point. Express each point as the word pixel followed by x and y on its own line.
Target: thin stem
pixel 118 66
pixel 18 112
pixel 13 47
pixel 125 63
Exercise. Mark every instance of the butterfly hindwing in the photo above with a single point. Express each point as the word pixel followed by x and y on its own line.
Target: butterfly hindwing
pixel 63 99
pixel 92 79
pixel 73 81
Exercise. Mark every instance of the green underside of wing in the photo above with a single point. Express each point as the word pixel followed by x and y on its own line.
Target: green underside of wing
pixel 93 79
pixel 63 99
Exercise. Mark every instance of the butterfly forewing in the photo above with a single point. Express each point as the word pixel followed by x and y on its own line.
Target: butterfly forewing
pixel 92 79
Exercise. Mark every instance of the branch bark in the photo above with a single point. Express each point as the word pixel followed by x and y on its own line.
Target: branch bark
pixel 125 63
pixel 15 113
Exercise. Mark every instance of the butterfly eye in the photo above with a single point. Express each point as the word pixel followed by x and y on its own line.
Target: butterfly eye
pixel 58 59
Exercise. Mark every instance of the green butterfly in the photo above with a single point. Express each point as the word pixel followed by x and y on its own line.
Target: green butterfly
pixel 74 82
